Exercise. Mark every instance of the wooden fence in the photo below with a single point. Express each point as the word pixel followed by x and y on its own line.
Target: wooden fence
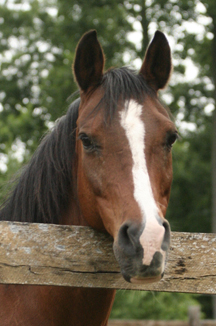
pixel 81 257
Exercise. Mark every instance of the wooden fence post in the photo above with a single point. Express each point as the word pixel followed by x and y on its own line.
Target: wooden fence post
pixel 194 316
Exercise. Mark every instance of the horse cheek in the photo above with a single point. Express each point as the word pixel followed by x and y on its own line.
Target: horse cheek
pixel 162 181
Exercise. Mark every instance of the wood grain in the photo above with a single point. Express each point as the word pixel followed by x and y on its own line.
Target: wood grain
pixel 81 257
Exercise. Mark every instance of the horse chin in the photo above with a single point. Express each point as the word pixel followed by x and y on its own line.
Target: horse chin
pixel 143 278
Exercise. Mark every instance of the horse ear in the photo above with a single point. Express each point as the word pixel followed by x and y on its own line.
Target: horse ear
pixel 89 61
pixel 157 65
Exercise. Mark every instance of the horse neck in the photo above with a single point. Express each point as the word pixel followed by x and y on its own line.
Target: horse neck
pixel 91 306
pixel 56 306
pixel 72 215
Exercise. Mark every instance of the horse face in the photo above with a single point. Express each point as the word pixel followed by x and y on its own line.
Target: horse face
pixel 124 167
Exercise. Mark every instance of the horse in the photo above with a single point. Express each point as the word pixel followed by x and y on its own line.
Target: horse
pixel 106 164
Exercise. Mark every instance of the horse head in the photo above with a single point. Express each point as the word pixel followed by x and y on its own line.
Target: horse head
pixel 123 149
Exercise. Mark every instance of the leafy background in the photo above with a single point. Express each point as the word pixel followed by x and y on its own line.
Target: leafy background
pixel 37 45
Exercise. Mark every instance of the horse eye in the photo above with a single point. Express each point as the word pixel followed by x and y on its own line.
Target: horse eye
pixel 87 142
pixel 171 139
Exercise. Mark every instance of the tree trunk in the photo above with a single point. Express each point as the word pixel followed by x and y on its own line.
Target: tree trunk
pixel 145 24
pixel 214 192
pixel 213 154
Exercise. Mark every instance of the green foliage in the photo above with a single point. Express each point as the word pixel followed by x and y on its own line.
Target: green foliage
pixel 190 203
pixel 7 180
pixel 152 305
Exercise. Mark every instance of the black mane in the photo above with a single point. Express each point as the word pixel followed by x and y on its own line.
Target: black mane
pixel 44 186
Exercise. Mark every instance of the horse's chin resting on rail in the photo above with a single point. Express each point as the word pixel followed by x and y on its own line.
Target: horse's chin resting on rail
pixel 106 164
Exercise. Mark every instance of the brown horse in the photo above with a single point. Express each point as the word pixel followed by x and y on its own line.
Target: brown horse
pixel 106 164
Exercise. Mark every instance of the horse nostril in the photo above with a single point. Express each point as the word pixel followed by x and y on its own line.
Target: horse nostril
pixel 166 240
pixel 128 237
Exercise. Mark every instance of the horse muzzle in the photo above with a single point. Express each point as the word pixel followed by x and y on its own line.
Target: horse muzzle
pixel 141 251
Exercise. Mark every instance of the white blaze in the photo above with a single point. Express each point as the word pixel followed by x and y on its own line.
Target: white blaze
pixel 152 236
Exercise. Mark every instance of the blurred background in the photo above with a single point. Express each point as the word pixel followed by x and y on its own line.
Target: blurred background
pixel 37 45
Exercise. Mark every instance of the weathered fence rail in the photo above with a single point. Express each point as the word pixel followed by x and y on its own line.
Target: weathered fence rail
pixel 81 257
